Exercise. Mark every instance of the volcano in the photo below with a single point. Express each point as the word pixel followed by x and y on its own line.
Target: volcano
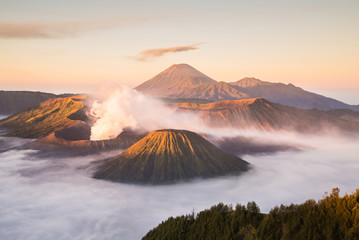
pixel 185 82
pixel 169 156
pixel 174 79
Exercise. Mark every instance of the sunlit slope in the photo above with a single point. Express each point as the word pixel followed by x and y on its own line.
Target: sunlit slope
pixel 51 115
pixel 258 113
pixel 168 156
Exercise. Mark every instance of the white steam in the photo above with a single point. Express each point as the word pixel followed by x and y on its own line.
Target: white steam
pixel 124 107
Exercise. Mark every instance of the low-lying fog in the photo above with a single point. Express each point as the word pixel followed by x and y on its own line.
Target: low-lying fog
pixel 56 198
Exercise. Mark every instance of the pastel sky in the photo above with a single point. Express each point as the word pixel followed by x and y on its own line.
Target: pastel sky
pixel 75 46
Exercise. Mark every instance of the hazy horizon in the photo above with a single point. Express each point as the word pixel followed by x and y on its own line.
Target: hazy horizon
pixel 57 46
pixel 345 95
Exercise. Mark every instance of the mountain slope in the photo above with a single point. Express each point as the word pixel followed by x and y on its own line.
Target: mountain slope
pixel 250 82
pixel 15 101
pixel 51 115
pixel 258 113
pixel 289 95
pixel 214 92
pixel 62 124
pixel 168 156
pixel 344 114
pixel 183 81
pixel 174 78
pixel 56 141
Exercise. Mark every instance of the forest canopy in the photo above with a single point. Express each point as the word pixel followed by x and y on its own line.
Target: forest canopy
pixel 332 217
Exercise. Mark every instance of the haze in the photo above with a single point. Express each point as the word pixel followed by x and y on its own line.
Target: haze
pixel 72 46
pixel 56 198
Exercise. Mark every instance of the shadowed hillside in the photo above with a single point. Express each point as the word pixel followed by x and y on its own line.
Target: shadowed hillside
pixel 16 101
pixel 345 114
pixel 168 156
pixel 289 95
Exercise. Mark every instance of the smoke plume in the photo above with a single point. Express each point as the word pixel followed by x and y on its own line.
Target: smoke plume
pixel 126 108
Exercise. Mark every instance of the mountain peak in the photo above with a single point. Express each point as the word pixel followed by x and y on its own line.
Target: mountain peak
pixel 181 65
pixel 249 82
pixel 183 70
pixel 173 79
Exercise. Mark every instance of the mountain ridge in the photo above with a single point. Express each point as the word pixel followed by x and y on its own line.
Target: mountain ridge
pixel 16 101
pixel 261 114
pixel 164 85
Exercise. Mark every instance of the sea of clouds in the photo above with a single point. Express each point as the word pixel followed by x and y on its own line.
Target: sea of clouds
pixel 56 198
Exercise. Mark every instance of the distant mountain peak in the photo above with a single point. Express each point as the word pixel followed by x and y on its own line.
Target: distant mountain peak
pixel 174 78
pixel 183 70
pixel 250 79
pixel 184 81
pixel 249 82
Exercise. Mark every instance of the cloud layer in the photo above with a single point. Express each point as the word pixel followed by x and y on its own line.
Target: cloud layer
pixel 55 198
pixel 158 52
pixel 59 29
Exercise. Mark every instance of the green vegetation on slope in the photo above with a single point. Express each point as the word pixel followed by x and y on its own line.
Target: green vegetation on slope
pixel 38 122
pixel 331 218
pixel 167 156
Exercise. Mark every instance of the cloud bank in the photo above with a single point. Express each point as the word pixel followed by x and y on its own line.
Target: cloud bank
pixel 48 30
pixel 55 198
pixel 158 52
